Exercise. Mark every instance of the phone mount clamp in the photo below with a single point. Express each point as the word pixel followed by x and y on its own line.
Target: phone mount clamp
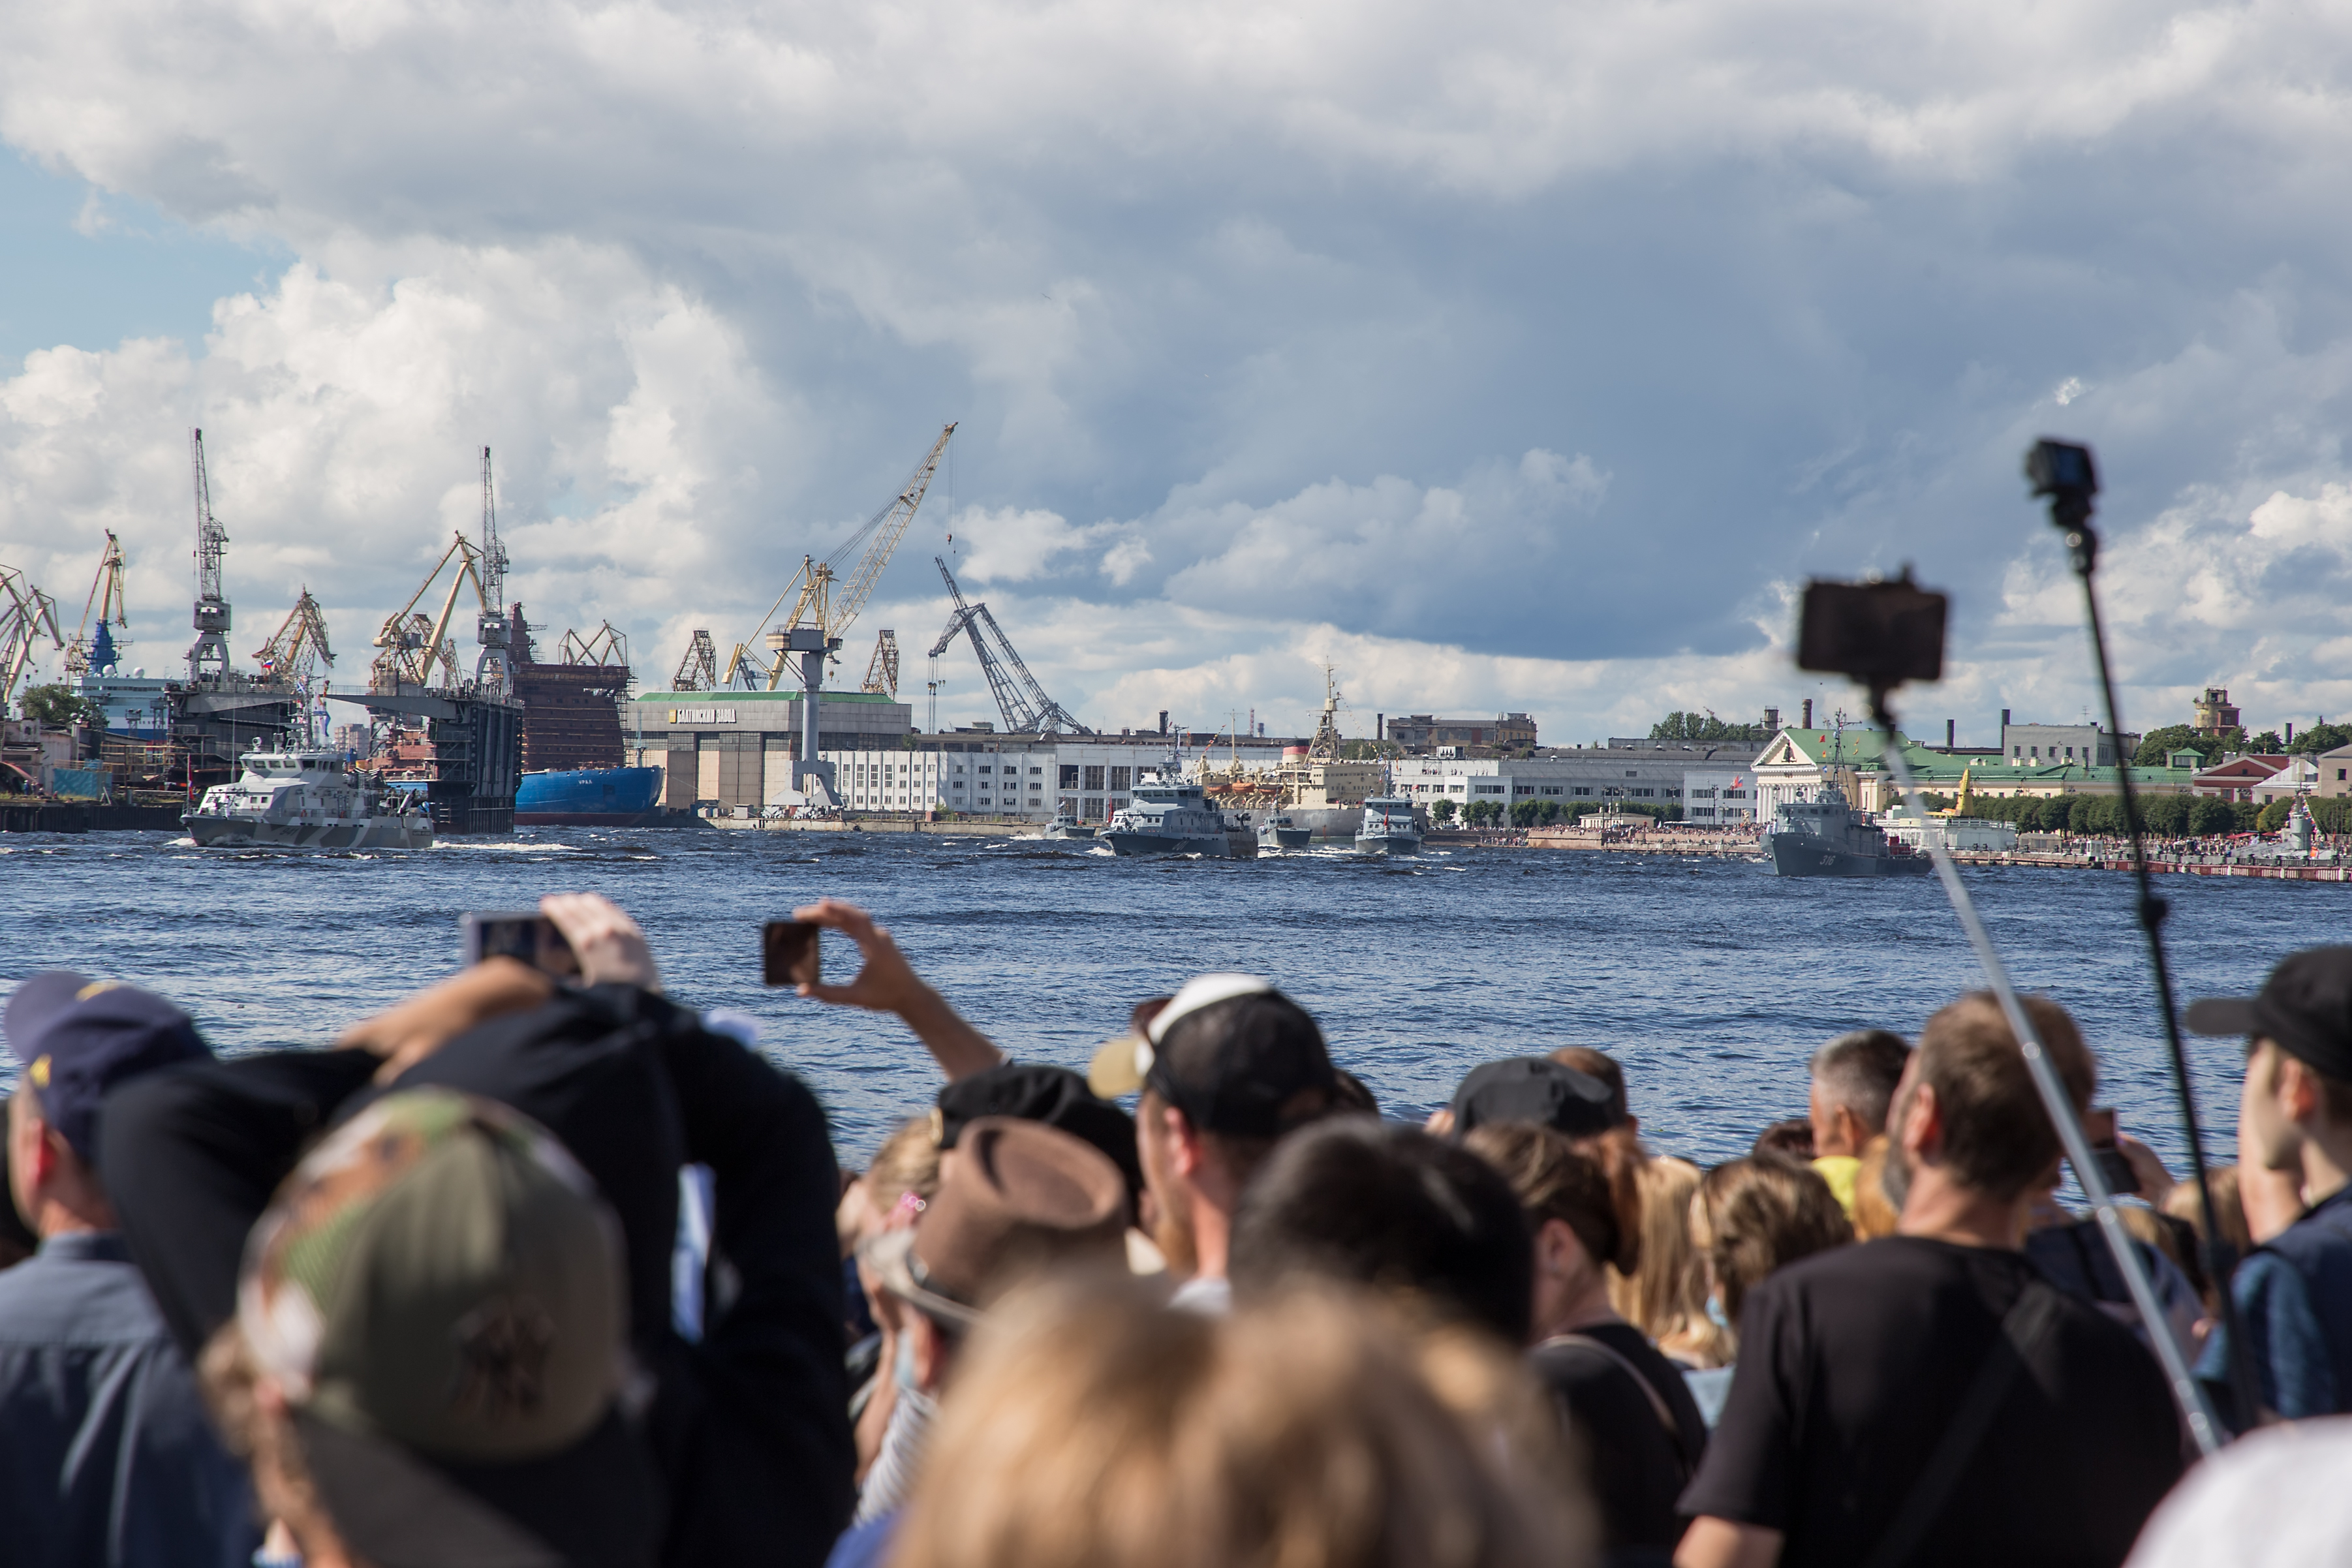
pixel 2064 471
pixel 1885 633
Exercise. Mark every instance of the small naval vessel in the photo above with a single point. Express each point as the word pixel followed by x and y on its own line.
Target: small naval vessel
pixel 307 799
pixel 1278 832
pixel 1825 837
pixel 1388 826
pixel 1066 826
pixel 1166 816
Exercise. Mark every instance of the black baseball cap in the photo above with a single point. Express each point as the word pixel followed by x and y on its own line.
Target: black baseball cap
pixel 1040 1092
pixel 1231 1053
pixel 2305 1006
pixel 77 1037
pixel 1533 1089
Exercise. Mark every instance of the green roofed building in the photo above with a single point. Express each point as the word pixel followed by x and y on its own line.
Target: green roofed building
pixel 1796 762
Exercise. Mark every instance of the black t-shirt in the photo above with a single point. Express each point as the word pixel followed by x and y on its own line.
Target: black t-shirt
pixel 1851 1363
pixel 1637 1466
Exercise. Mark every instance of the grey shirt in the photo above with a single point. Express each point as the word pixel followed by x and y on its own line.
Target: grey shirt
pixel 106 1454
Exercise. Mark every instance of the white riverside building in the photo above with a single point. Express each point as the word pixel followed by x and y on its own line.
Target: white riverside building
pixel 1636 772
pixel 734 751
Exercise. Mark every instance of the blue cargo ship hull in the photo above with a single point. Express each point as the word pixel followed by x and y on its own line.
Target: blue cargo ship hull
pixel 589 798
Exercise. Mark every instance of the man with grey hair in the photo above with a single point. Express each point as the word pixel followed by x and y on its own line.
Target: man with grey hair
pixel 1855 1077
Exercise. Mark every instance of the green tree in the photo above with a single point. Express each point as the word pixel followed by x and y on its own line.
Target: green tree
pixel 2321 738
pixel 2268 742
pixel 58 707
pixel 1703 728
pixel 2273 816
pixel 2211 815
pixel 1441 811
pixel 2159 744
pixel 2166 816
pixel 1547 812
pixel 1527 813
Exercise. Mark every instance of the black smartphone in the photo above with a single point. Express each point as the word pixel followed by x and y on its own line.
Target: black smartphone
pixel 789 954
pixel 2099 1128
pixel 527 935
pixel 1880 633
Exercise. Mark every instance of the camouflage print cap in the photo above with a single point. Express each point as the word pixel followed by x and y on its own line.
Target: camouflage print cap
pixel 440 1273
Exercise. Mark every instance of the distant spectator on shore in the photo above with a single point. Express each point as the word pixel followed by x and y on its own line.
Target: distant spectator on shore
pixel 1093 1428
pixel 1630 1414
pixel 105 1453
pixel 1855 1077
pixel 1021 1200
pixel 1665 1295
pixel 2293 1293
pixel 1791 1135
pixel 1605 1069
pixel 1224 1071
pixel 1929 1398
pixel 1748 1219
pixel 1387 1206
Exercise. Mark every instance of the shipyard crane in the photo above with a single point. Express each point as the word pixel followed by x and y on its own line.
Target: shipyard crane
pixel 85 653
pixel 699 671
pixel 211 615
pixel 882 669
pixel 24 612
pixel 604 647
pixel 820 617
pixel 1026 707
pixel 494 670
pixel 292 658
pixel 412 643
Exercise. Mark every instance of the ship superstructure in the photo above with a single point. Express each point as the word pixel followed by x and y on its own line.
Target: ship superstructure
pixel 307 799
pixel 1168 816
pixel 1319 791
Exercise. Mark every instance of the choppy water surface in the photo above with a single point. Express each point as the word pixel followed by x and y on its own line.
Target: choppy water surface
pixel 1710 980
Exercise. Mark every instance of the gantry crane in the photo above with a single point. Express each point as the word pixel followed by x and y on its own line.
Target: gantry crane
pixel 882 669
pixel 820 617
pixel 291 660
pixel 411 644
pixel 493 669
pixel 84 650
pixel 24 612
pixel 606 647
pixel 210 652
pixel 699 671
pixel 1023 702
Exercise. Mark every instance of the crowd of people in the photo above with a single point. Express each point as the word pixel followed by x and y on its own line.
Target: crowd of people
pixel 527 1272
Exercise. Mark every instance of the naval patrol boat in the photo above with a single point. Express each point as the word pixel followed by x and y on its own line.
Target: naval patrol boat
pixel 307 799
pixel 1280 831
pixel 1825 837
pixel 1388 826
pixel 1166 816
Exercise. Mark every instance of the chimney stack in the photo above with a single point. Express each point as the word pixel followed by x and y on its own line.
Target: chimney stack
pixel 1951 728
pixel 2004 724
pixel 1771 721
pixel 1807 722
pixel 2290 732
pixel 1163 721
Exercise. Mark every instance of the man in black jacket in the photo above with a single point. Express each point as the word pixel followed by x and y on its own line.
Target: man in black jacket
pixel 748 1428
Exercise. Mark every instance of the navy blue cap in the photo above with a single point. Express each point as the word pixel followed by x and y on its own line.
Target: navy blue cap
pixel 77 1037
pixel 1533 1089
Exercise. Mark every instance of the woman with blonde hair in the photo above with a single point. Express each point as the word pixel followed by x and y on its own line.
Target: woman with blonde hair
pixel 1096 1428
pixel 1748 1218
pixel 1665 1293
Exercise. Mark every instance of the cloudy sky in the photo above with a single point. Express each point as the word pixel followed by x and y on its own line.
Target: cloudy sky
pixel 1514 356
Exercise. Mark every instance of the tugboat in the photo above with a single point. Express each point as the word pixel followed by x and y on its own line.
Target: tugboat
pixel 1166 816
pixel 1824 837
pixel 307 799
pixel 1388 827
pixel 1279 832
pixel 1066 826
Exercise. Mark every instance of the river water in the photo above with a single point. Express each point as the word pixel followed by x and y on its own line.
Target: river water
pixel 1710 980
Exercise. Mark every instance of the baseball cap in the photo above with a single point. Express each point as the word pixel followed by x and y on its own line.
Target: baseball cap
pixel 1245 1077
pixel 2305 1006
pixel 438 1289
pixel 1039 1091
pixel 1533 1089
pixel 77 1037
pixel 1020 1198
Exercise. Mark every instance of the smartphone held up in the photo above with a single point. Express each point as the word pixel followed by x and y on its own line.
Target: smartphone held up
pixel 789 954
pixel 526 935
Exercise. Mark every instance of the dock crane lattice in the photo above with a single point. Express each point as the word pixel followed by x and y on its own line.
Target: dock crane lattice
pixel 24 614
pixel 1022 702
pixel 86 651
pixel 209 654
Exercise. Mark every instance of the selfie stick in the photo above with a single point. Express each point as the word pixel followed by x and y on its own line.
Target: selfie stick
pixel 2060 1104
pixel 2064 473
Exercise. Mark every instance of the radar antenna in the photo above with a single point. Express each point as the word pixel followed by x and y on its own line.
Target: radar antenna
pixel 210 652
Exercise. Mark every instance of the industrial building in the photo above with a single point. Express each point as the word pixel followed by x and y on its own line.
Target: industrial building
pixel 1421 734
pixel 1640 772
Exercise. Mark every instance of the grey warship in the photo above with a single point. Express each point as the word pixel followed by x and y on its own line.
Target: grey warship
pixel 1825 837
pixel 1166 816
pixel 307 799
